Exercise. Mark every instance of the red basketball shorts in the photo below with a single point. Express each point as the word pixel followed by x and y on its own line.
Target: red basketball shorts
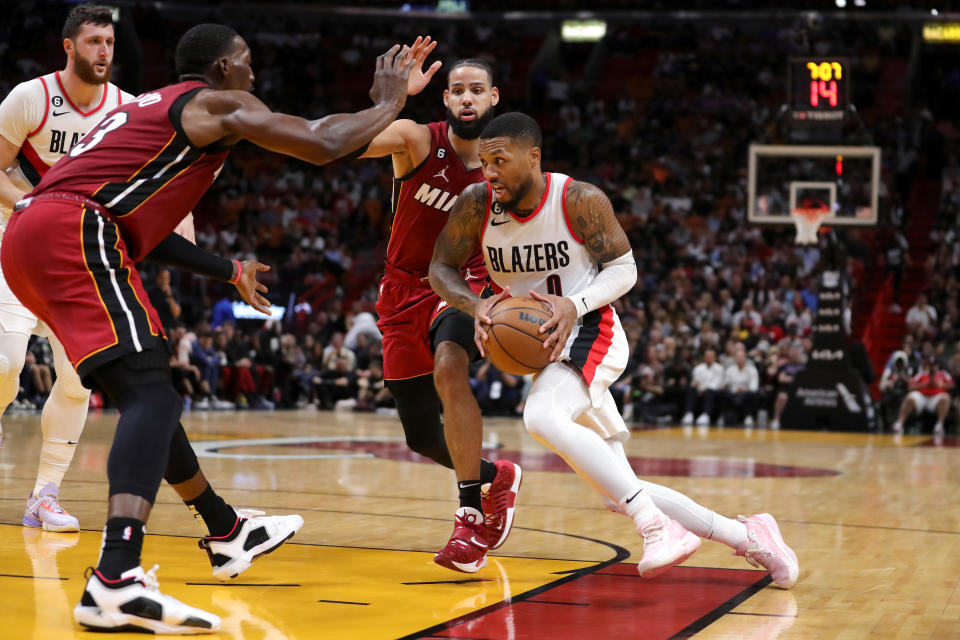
pixel 67 263
pixel 408 307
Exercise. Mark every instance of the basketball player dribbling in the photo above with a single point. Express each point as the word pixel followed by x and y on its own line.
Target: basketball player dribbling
pixel 69 253
pixel 428 345
pixel 569 408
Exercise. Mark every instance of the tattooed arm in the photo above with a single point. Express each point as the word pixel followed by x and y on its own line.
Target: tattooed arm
pixel 455 244
pixel 592 218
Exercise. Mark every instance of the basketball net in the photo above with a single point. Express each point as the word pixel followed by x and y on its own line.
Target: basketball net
pixel 807 222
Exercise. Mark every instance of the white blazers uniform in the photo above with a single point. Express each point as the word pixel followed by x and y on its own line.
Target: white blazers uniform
pixel 542 253
pixel 39 119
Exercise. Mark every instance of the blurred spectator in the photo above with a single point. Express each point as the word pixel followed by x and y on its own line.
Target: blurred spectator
pixel 928 391
pixel 897 255
pixel 336 351
pixel 921 316
pixel 786 379
pixel 497 393
pixel 894 385
pixel 335 384
pixel 163 299
pixel 741 382
pixel 705 390
pixel 676 381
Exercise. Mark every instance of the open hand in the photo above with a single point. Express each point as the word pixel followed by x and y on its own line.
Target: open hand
pixel 421 48
pixel 391 77
pixel 249 286
pixel 482 320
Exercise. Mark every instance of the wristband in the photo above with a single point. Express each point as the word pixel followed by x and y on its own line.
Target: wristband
pixel 239 268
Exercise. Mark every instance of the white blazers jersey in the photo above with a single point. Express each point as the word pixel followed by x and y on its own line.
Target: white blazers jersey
pixel 40 119
pixel 542 253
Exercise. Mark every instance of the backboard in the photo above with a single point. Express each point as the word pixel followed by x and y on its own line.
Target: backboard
pixel 841 182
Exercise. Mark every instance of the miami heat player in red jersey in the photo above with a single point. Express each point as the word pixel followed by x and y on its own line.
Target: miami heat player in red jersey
pixel 428 345
pixel 124 199
pixel 421 200
pixel 69 253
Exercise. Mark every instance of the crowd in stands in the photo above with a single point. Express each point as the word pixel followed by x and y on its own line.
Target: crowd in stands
pixel 919 378
pixel 720 319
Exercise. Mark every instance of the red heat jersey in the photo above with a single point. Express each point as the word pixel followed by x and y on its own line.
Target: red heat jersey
pixel 139 164
pixel 940 378
pixel 422 200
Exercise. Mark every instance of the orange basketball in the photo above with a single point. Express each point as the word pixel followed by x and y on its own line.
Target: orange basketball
pixel 515 344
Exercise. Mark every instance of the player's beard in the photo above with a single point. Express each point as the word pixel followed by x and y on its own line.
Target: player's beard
pixel 517 194
pixel 471 129
pixel 85 71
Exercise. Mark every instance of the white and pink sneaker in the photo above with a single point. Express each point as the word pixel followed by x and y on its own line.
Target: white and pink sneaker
pixel 765 548
pixel 665 544
pixel 43 510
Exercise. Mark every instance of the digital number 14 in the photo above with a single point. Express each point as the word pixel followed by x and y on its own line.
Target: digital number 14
pixel 823 89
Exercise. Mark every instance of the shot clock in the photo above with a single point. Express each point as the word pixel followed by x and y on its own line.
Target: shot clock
pixel 819 90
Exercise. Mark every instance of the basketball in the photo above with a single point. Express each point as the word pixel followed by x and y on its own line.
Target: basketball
pixel 515 344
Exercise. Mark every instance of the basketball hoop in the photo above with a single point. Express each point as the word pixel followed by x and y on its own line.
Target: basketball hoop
pixel 808 221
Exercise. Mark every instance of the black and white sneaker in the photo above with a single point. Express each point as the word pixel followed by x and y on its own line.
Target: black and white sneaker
pixel 253 535
pixel 133 602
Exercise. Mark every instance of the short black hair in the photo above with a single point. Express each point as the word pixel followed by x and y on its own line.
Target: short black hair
pixel 86 14
pixel 202 45
pixel 517 126
pixel 471 62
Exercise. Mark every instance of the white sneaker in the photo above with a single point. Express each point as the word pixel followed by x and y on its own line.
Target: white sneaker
pixel 134 602
pixel 665 544
pixel 938 429
pixel 703 420
pixel 687 419
pixel 203 404
pixel 775 425
pixel 898 427
pixel 254 535
pixel 748 422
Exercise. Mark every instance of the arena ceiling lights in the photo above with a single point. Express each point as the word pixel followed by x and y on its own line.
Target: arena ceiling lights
pixel 583 30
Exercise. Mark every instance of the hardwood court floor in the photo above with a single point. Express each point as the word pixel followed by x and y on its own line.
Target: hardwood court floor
pixel 875 523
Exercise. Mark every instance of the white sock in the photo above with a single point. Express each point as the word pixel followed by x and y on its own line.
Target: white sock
pixel 559 395
pixel 62 420
pixel 694 517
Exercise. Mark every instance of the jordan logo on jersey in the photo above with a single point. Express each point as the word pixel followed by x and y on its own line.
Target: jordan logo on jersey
pixel 443 174
pixel 435 197
pixel 58 141
pixel 545 256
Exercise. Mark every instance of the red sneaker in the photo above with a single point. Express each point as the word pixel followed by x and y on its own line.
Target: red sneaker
pixel 499 501
pixel 467 549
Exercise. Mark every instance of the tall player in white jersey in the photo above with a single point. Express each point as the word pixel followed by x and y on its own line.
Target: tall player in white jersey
pixel 40 120
pixel 558 240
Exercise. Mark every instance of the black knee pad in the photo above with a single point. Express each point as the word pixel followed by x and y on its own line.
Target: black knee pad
pixel 150 407
pixel 419 409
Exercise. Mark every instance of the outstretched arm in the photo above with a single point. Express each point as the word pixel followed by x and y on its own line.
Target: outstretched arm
pixel 592 218
pixel 228 116
pixel 177 251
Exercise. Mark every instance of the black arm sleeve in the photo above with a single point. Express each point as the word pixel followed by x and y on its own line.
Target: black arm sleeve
pixel 177 251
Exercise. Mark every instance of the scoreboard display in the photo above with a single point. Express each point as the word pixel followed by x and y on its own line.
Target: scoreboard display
pixel 819 90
